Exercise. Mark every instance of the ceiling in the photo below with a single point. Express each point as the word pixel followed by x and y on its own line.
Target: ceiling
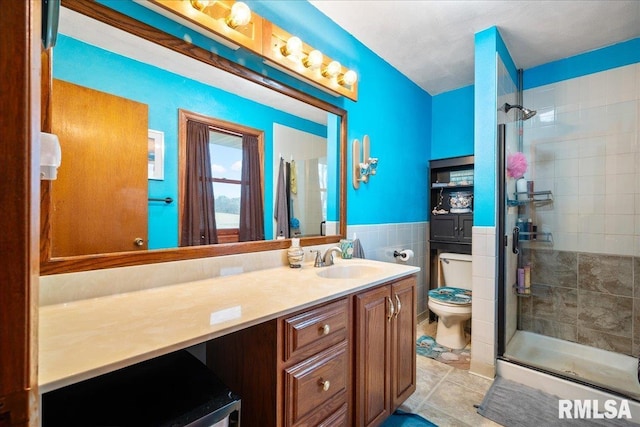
pixel 432 41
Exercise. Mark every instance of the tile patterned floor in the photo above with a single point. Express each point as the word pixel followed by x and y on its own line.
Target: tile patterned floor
pixel 446 395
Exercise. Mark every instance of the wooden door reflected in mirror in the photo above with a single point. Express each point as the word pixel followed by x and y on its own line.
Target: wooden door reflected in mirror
pixel 106 182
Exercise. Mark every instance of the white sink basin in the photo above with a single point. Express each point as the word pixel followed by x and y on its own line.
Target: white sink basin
pixel 347 271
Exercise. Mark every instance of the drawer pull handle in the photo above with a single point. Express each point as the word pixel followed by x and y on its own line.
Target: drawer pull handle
pixel 324 330
pixel 325 384
pixel 392 309
pixel 398 305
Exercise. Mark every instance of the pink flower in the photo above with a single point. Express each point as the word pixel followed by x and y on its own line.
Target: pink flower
pixel 516 165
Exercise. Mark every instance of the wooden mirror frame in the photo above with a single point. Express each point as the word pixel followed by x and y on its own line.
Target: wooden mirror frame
pixel 50 265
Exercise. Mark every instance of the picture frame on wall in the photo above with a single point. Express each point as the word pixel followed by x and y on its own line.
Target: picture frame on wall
pixel 155 154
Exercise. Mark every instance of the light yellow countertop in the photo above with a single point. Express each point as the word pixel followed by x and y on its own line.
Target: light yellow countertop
pixel 83 339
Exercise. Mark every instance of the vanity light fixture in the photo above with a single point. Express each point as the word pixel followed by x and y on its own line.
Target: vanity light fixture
pixel 234 25
pixel 365 166
pixel 230 23
pixel 280 50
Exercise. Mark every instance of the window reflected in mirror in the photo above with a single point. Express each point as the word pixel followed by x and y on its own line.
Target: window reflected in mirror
pixel 221 191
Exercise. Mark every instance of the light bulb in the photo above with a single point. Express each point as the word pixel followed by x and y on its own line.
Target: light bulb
pixel 200 4
pixel 332 70
pixel 349 78
pixel 240 15
pixel 293 48
pixel 314 59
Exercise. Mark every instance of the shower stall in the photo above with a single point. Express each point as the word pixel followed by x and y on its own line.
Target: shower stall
pixel 569 303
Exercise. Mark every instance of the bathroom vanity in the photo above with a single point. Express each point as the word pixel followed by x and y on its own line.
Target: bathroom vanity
pixel 299 348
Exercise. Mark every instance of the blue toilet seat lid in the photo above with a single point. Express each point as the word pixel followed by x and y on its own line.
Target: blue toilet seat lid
pixel 451 295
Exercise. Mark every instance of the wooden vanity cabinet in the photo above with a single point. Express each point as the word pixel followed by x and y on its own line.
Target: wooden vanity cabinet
pixel 298 370
pixel 384 345
pixel 292 371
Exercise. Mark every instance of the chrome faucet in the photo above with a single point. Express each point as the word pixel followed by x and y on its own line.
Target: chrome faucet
pixel 326 259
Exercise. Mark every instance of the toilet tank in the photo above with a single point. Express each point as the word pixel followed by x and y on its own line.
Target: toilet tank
pixel 456 270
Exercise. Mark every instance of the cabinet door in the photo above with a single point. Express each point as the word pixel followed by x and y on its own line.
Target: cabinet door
pixel 372 356
pixel 403 341
pixel 465 227
pixel 444 228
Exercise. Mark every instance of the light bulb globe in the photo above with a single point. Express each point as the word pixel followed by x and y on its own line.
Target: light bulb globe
pixel 333 69
pixel 314 59
pixel 240 15
pixel 294 47
pixel 350 77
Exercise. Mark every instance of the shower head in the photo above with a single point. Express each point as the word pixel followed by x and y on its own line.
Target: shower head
pixel 526 113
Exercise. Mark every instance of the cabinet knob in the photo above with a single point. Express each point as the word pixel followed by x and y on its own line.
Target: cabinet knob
pixel 325 384
pixel 138 241
pixel 325 329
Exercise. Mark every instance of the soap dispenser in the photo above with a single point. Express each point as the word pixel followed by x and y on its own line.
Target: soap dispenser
pixel 295 254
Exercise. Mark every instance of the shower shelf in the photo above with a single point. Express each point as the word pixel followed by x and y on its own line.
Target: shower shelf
pixel 537 236
pixel 538 198
pixel 520 293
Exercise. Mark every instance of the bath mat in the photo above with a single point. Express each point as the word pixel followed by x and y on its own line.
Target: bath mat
pixel 515 405
pixel 406 419
pixel 428 347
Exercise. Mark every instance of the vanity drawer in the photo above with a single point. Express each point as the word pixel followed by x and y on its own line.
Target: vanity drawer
pixel 339 418
pixel 317 386
pixel 314 330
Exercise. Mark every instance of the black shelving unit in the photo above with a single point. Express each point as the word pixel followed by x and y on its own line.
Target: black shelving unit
pixel 450 230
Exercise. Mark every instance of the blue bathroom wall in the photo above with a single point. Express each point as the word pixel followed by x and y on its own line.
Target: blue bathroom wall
pixel 392 110
pixel 617 55
pixel 452 133
pixel 488 45
pixel 158 88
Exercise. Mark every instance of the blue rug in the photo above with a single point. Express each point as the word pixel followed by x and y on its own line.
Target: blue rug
pixel 405 419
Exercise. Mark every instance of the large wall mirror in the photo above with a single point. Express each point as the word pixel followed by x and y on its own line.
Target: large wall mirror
pixel 114 86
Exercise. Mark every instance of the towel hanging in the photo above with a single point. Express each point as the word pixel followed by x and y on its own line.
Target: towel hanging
pixel 281 211
pixel 293 178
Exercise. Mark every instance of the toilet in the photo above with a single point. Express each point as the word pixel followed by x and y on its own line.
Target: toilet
pixel 451 301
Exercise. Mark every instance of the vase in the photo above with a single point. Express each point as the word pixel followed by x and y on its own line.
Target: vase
pixel 295 254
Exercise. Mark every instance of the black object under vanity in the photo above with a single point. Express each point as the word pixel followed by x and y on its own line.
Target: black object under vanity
pixel 172 390
pixel 451 203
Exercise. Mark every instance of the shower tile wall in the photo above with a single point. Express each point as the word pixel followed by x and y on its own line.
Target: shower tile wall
pixel 584 145
pixel 585 298
pixel 380 240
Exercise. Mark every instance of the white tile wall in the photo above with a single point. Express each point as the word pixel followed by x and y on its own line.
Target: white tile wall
pixel 584 145
pixel 483 309
pixel 380 240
